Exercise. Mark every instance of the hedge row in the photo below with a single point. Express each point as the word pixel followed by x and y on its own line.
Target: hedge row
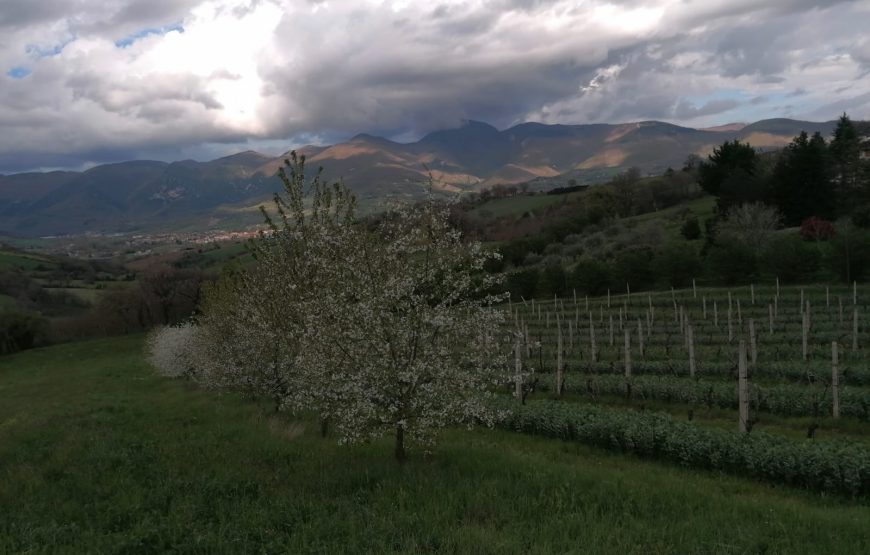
pixel 835 467
pixel 795 372
pixel 787 400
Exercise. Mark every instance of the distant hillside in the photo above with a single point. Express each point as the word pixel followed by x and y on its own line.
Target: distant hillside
pixel 148 195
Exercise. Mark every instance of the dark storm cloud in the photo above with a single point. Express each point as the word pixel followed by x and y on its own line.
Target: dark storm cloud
pixel 197 74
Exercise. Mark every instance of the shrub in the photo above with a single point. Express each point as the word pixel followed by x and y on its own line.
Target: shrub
pixel 19 331
pixel 835 467
pixel 170 349
pixel 691 229
pixel 817 229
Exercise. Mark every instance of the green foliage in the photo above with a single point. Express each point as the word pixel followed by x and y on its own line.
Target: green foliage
pixel 791 259
pixel 845 153
pixel 787 399
pixel 802 180
pixel 676 265
pixel 732 263
pixel 833 467
pixel 522 283
pixel 19 330
pixel 553 280
pixel 632 267
pixel 144 464
pixel 729 173
pixel 591 276
pixel 691 229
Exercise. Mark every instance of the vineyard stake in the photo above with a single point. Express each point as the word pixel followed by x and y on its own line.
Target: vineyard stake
pixel 742 389
pixel 753 342
pixel 559 362
pixel 691 352
pixel 835 381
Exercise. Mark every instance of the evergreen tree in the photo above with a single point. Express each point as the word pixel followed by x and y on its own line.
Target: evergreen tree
pixel 802 184
pixel 846 155
pixel 730 174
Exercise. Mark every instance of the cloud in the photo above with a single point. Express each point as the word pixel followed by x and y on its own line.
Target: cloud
pixel 91 80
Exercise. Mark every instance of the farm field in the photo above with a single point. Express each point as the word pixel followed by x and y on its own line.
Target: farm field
pixel 676 353
pixel 99 454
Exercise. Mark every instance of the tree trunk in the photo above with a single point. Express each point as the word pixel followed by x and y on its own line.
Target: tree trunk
pixel 400 444
pixel 324 427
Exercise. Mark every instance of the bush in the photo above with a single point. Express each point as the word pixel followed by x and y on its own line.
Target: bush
pixel 19 331
pixel 817 229
pixel 553 280
pixel 170 349
pixel 676 265
pixel 791 259
pixel 732 263
pixel 691 229
pixel 522 284
pixel 590 276
pixel 835 467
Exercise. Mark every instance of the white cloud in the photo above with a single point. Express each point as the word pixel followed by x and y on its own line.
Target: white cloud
pixel 201 73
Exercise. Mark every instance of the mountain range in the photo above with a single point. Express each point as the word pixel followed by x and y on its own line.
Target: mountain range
pixel 145 196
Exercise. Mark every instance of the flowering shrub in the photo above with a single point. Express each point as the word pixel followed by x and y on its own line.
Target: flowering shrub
pixel 170 350
pixel 817 229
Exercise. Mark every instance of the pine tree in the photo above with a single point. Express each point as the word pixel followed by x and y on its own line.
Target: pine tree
pixel 802 184
pixel 846 155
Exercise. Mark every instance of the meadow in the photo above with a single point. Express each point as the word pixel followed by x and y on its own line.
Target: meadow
pixel 100 454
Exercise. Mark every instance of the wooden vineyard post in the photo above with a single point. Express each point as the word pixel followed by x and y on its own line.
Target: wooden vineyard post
pixel 716 314
pixel 802 299
pixel 548 320
pixel 694 289
pixel 628 361
pixel 518 365
pixel 770 318
pixel 640 337
pixel 804 332
pixel 835 381
pixel 753 342
pixel 704 306
pixel 855 329
pixel 840 301
pixel 559 360
pixel 608 298
pixel 742 389
pixel 574 291
pixel 628 292
pixel 854 293
pixel 827 296
pixel 593 352
pixel 587 303
pixel 777 287
pixel 570 337
pixel 611 329
pixel 691 339
pixel 739 314
pixel 752 293
pixel 730 328
pixel 776 307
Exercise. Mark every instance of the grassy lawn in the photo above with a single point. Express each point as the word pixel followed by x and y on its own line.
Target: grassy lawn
pixel 99 455
pixel 515 205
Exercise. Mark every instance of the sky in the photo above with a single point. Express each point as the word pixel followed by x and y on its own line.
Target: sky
pixel 84 82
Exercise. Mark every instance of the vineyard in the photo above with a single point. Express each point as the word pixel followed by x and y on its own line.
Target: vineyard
pixel 771 382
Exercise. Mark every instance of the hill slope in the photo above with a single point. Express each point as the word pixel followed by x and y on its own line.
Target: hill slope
pixel 101 455
pixel 143 195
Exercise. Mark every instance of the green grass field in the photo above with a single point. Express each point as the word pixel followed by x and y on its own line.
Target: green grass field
pixel 99 455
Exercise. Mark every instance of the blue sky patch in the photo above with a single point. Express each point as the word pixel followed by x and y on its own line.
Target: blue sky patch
pixel 127 41
pixel 19 72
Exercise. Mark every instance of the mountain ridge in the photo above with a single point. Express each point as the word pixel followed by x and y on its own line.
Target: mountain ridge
pixel 139 195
